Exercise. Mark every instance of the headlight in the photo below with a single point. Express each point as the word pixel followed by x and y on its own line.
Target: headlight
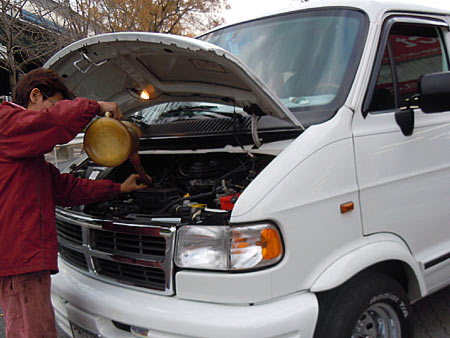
pixel 203 247
pixel 228 248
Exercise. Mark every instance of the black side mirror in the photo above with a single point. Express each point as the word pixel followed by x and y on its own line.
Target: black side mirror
pixel 405 117
pixel 434 91
pixel 433 97
pixel 405 120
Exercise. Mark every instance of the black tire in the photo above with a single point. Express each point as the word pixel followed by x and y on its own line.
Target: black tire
pixel 354 305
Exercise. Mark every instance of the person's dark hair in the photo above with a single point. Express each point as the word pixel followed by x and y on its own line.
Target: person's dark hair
pixel 46 80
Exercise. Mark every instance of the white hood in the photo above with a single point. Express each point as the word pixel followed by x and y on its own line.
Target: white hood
pixel 117 66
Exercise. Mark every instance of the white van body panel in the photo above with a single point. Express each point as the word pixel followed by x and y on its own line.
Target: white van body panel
pixel 416 179
pixel 253 203
pixel 379 248
pixel 311 178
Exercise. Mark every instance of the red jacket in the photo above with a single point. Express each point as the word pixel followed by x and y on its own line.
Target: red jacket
pixel 30 187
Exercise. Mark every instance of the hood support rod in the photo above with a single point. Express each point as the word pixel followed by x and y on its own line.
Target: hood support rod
pixel 255 136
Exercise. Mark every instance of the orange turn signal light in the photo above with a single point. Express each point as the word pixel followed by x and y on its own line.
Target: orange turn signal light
pixel 271 244
pixel 254 246
pixel 346 207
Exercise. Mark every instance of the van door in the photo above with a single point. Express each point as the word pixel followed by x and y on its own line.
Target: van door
pixel 405 180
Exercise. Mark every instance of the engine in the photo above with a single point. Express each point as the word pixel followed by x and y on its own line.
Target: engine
pixel 197 188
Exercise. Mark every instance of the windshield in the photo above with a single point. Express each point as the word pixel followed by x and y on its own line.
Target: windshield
pixel 308 58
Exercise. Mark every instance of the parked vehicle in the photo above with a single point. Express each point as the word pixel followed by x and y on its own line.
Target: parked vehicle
pixel 64 154
pixel 301 172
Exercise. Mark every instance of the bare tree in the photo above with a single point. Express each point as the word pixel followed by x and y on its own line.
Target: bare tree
pixel 80 18
pixel 30 32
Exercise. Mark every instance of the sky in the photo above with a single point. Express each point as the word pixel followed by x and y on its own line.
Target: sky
pixel 244 9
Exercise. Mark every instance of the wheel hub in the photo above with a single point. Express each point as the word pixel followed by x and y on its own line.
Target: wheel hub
pixel 378 321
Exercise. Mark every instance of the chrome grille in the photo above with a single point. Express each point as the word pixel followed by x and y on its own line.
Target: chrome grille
pixel 137 275
pixel 135 254
pixel 116 242
pixel 70 232
pixel 73 257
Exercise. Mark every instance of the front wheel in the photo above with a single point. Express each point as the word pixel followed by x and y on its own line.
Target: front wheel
pixel 370 305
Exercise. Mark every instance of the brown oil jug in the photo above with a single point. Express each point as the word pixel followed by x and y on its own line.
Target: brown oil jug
pixel 109 142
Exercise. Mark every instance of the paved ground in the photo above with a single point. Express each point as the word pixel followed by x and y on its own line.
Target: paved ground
pixel 433 317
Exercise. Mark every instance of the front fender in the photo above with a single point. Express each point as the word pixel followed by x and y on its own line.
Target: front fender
pixel 380 248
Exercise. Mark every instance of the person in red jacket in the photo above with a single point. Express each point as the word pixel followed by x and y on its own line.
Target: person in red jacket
pixel 43 115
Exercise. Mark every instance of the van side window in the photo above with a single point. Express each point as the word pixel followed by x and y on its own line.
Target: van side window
pixel 411 51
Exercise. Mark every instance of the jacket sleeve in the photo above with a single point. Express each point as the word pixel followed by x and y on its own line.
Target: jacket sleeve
pixel 70 191
pixel 32 133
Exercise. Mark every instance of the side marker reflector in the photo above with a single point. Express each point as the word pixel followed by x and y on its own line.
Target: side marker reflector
pixel 346 207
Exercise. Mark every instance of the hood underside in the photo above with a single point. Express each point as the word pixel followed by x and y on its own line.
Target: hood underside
pixel 119 66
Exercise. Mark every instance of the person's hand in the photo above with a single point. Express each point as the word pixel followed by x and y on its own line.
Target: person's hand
pixel 110 107
pixel 130 184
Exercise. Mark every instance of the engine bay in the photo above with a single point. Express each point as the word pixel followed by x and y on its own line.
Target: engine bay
pixel 196 188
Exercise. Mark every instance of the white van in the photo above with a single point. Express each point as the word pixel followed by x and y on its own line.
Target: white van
pixel 301 169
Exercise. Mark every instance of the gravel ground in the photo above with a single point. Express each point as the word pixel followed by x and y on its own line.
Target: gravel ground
pixel 432 317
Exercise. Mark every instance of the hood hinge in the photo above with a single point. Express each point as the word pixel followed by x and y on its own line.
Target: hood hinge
pixel 255 111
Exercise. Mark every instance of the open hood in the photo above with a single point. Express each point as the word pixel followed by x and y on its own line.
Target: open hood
pixel 119 66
